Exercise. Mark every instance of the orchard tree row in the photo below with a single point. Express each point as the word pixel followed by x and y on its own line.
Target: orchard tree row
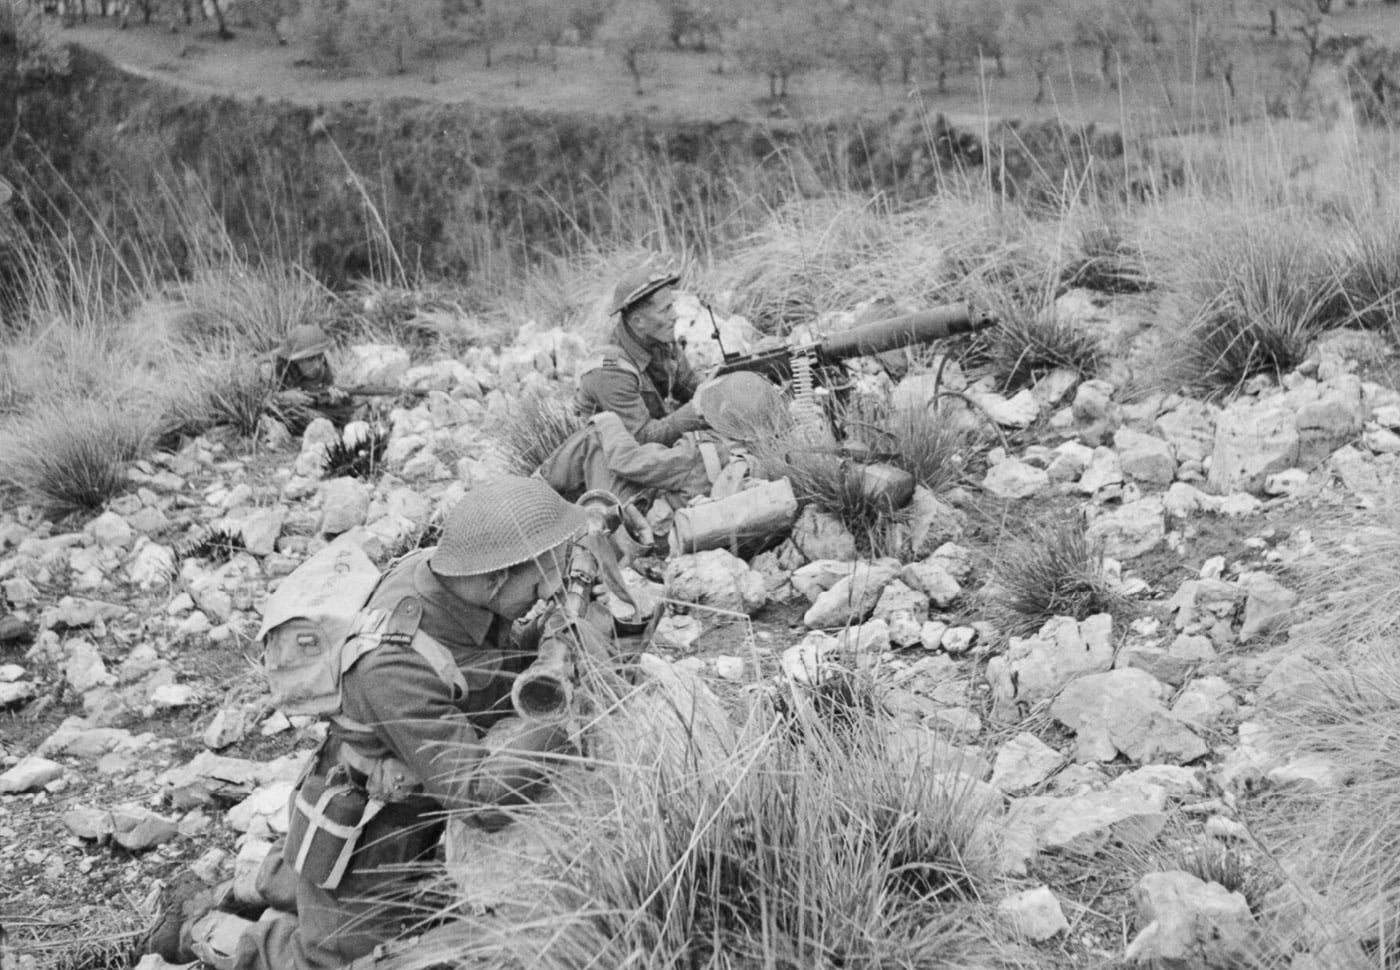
pixel 883 41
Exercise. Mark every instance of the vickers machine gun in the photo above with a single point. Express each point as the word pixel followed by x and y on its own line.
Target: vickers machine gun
pixel 821 362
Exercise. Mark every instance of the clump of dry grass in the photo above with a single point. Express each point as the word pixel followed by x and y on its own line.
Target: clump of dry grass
pixel 1104 258
pixel 812 258
pixel 74 455
pixel 532 426
pixel 1235 867
pixel 228 390
pixel 1336 842
pixel 1048 569
pixel 1370 271
pixel 249 307
pixel 788 848
pixel 1030 341
pixel 1256 294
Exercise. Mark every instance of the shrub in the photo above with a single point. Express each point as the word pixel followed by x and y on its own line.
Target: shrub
pixel 532 427
pixel 250 308
pixel 934 443
pixel 1029 342
pixel 1337 841
pixel 1256 301
pixel 1370 274
pixel 822 477
pixel 357 459
pixel 780 848
pixel 1231 866
pixel 1105 261
pixel 1050 569
pixel 214 545
pixel 232 391
pixel 72 455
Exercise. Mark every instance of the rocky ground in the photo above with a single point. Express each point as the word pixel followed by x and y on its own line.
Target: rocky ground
pixel 137 740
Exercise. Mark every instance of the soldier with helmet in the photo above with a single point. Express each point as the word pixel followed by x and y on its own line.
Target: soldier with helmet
pixel 304 379
pixel 430 711
pixel 641 375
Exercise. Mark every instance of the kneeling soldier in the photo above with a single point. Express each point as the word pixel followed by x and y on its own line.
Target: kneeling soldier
pixel 419 733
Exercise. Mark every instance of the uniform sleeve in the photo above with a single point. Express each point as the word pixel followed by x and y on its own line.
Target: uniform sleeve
pixel 619 391
pixel 411 711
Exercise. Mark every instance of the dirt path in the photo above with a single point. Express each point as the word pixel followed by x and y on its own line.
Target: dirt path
pixel 684 86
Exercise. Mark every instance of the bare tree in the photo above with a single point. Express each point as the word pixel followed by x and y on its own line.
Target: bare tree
pixel 635 30
pixel 778 39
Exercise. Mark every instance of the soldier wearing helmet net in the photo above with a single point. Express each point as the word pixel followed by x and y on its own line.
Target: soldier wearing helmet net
pixel 444 739
pixel 641 374
pixel 305 382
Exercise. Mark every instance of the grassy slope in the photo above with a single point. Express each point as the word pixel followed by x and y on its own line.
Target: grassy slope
pixel 1199 244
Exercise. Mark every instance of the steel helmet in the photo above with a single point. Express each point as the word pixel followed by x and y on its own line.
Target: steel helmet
pixel 743 406
pixel 305 340
pixel 503 524
pixel 641 283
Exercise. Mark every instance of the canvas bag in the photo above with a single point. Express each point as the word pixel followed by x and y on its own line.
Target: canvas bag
pixel 306 624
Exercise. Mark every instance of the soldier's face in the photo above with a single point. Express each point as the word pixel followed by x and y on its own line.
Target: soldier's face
pixel 654 318
pixel 528 583
pixel 313 368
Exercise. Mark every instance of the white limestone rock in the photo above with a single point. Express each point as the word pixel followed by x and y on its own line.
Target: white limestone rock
pixel 1130 530
pixel 1014 479
pixel 1033 914
pixel 822 536
pixel 718 578
pixel 1189 924
pixel 1122 711
pixel 851 598
pixel 1268 606
pixel 1034 668
pixel 344 505
pixel 1296 429
pixel 1023 763
pixel 1144 457
pixel 30 774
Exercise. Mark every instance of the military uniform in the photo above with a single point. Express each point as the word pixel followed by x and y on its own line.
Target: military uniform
pixel 302 389
pixel 635 384
pixel 603 455
pixel 425 726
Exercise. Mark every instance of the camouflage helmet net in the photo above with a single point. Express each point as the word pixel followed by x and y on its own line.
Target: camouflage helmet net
pixel 504 524
pixel 305 340
pixel 744 406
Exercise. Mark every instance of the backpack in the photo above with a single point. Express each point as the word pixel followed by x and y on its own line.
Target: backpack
pixel 306 624
pixel 316 625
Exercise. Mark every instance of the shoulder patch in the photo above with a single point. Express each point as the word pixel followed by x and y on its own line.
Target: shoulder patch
pixel 605 357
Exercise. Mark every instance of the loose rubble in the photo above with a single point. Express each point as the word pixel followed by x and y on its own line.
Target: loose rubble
pixel 1088 735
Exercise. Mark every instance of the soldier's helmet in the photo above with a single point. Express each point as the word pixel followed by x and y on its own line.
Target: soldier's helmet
pixel 640 283
pixel 305 340
pixel 503 524
pixel 744 407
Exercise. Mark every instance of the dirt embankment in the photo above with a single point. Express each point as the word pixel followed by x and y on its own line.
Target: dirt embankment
pixel 453 186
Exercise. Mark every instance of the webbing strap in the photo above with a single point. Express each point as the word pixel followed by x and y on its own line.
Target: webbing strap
pixel 316 820
pixel 709 454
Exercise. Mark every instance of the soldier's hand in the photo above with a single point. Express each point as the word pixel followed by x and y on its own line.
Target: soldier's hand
pixel 336 396
pixel 293 398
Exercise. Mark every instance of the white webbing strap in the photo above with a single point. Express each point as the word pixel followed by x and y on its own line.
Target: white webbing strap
pixel 316 820
pixel 709 454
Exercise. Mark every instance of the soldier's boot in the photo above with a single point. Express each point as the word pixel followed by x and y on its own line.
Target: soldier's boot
pixel 182 902
pixel 213 938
